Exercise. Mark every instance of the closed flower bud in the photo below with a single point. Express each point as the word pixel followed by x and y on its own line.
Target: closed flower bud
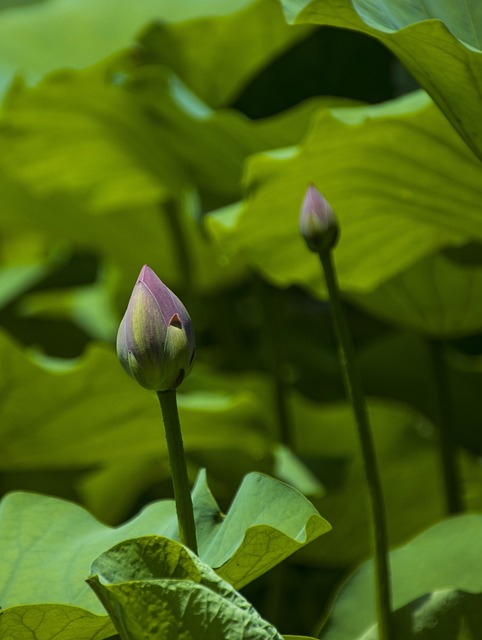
pixel 155 341
pixel 318 224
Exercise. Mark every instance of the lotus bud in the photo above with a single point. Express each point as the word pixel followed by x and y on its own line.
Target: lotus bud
pixel 318 224
pixel 155 341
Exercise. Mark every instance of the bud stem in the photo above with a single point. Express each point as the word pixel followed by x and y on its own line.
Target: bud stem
pixel 177 460
pixel 355 393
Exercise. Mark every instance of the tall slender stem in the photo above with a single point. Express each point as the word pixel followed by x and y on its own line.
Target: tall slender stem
pixel 448 449
pixel 355 393
pixel 177 460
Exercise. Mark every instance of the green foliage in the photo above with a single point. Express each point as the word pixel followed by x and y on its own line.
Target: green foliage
pixel 438 295
pixel 129 137
pixel 71 429
pixel 439 44
pixel 164 590
pixel 436 584
pixel 63 539
pixel 408 459
pixel 413 188
pixel 258 531
pixel 90 31
pixel 47 621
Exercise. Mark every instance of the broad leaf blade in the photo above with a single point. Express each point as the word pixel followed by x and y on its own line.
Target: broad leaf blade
pixel 436 296
pixel 406 442
pixel 445 557
pixel 439 45
pixel 47 544
pixel 74 429
pixel 235 39
pixel 401 181
pixel 234 47
pixel 48 621
pixel 153 587
pixel 266 522
pixel 125 136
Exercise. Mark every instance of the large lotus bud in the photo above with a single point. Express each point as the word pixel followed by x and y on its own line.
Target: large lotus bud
pixel 155 341
pixel 318 223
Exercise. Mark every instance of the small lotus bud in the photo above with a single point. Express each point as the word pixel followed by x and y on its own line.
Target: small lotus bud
pixel 155 341
pixel 318 224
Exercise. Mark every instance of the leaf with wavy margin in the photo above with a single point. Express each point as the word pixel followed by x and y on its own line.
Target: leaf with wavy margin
pixel 438 41
pixel 401 181
pixel 429 575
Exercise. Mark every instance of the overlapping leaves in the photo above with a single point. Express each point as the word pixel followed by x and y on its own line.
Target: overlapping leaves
pixel 437 587
pixel 98 414
pixel 439 296
pixel 63 539
pixel 326 439
pixel 401 181
pixel 35 40
pixel 153 587
pixel 438 42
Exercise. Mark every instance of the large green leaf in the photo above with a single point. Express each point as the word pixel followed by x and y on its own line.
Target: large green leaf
pixel 217 56
pixel 154 588
pixel 64 538
pixel 121 153
pixel 439 43
pixel 437 296
pixel 259 524
pixel 47 545
pixel 434 566
pixel 400 179
pixel 127 135
pixel 126 238
pixel 444 614
pixel 100 417
pixel 406 443
pixel 48 621
pixel 235 40
pixel 101 142
pixel 98 414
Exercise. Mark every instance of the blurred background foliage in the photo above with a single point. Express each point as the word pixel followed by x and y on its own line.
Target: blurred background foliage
pixel 183 135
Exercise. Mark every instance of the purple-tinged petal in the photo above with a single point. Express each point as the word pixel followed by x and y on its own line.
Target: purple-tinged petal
pixel 155 342
pixel 318 224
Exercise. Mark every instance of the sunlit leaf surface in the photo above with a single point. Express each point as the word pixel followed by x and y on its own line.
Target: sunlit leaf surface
pixel 63 539
pixel 47 621
pixel 41 37
pixel 399 178
pixel 439 42
pixel 438 296
pixel 406 444
pixel 162 589
pixel 99 414
pixel 430 575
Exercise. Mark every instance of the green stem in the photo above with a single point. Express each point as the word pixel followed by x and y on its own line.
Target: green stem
pixel 354 390
pixel 448 449
pixel 177 460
